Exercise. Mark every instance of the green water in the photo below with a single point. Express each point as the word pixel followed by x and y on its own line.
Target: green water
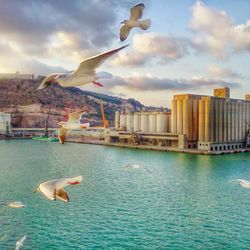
pixel 188 202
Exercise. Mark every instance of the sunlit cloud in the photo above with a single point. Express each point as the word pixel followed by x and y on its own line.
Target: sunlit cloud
pixel 152 83
pixel 221 72
pixel 161 48
pixel 216 32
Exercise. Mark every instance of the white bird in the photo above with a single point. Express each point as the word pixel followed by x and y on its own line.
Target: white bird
pixel 137 166
pixel 16 204
pixel 19 243
pixel 243 183
pixel 135 14
pixel 53 189
pixel 84 74
pixel 72 123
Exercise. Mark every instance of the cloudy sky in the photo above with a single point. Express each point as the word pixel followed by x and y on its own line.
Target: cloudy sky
pixel 191 47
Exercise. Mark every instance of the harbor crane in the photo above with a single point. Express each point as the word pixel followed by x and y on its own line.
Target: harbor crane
pixel 104 120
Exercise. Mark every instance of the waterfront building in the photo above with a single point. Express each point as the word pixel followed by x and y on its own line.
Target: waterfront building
pixel 201 122
pixel 5 122
pixel 213 123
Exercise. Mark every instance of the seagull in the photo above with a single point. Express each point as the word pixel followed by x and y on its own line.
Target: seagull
pixel 53 189
pixel 137 166
pixel 19 243
pixel 16 204
pixel 72 123
pixel 84 74
pixel 243 183
pixel 135 15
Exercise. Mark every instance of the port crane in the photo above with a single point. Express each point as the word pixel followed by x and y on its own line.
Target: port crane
pixel 104 120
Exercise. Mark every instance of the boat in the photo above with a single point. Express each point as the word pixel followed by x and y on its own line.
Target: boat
pixel 46 136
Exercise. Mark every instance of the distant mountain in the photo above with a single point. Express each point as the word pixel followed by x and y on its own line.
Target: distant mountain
pixel 31 107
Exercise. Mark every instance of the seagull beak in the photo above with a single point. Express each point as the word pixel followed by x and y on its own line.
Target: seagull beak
pixel 36 190
pixel 44 84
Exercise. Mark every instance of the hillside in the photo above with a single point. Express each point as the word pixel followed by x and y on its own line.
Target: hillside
pixel 31 107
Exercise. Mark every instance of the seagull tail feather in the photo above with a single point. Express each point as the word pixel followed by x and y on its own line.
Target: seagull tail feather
pixel 145 24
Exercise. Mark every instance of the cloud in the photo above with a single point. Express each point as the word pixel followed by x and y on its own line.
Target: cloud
pixel 213 32
pixel 8 60
pixel 151 83
pixel 216 33
pixel 55 30
pixel 219 72
pixel 148 47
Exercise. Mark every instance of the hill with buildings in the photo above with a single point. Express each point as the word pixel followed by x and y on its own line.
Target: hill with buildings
pixel 31 107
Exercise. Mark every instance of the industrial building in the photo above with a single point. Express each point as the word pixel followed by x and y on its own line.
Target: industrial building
pixel 205 123
pixel 5 122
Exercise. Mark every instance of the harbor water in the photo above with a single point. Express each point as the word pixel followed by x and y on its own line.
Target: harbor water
pixel 185 202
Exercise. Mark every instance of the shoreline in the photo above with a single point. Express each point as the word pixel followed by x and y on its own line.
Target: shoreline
pixel 141 147
pixel 157 148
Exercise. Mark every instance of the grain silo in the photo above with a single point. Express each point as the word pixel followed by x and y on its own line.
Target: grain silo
pixel 123 121
pixel 144 122
pixel 152 123
pixel 130 122
pixel 137 122
pixel 162 123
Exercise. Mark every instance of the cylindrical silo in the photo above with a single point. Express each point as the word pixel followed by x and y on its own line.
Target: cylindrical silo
pixel 130 122
pixel 137 122
pixel 117 120
pixel 162 123
pixel 123 122
pixel 152 124
pixel 144 122
pixel 169 117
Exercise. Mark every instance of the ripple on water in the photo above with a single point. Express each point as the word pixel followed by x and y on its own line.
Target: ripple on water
pixel 186 203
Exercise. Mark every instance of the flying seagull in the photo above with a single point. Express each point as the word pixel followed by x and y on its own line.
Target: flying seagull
pixel 72 123
pixel 135 15
pixel 19 243
pixel 16 204
pixel 54 189
pixel 84 74
pixel 137 166
pixel 243 183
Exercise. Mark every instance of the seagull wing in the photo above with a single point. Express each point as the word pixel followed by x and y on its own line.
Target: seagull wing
pixel 89 65
pixel 23 239
pixel 62 132
pixel 148 170
pixel 48 190
pixel 245 184
pixel 75 117
pixel 136 12
pixel 62 195
pixel 61 183
pixel 20 242
pixel 124 31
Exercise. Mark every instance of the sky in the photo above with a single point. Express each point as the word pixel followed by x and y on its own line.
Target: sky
pixel 191 47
